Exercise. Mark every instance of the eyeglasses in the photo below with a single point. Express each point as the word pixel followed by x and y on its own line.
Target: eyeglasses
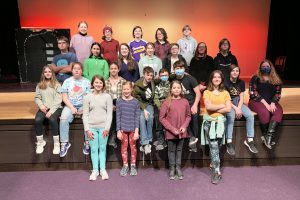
pixel 61 43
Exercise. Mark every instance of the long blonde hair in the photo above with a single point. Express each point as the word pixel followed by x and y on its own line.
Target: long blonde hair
pixel 44 82
pixel 169 98
pixel 274 79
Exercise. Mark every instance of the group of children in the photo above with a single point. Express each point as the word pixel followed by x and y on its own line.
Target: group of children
pixel 115 102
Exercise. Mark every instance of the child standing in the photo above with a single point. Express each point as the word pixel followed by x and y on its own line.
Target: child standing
pixel 137 45
pixel 150 60
pixel 97 117
pixel 162 45
pixel 128 117
pixel 114 87
pixel 162 91
pixel 81 42
pixel 187 44
pixel 224 58
pixel 109 46
pixel 48 98
pixel 175 116
pixel 95 64
pixel 144 92
pixel 191 92
pixel 61 63
pixel 217 104
pixel 129 69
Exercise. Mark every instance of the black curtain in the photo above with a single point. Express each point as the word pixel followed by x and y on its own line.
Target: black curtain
pixel 8 58
pixel 283 36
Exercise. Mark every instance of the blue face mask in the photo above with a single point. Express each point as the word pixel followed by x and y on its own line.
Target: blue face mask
pixel 164 78
pixel 265 69
pixel 179 72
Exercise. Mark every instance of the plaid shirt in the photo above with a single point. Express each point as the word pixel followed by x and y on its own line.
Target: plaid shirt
pixel 119 87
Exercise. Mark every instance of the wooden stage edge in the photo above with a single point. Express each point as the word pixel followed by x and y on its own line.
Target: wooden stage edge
pixel 20 105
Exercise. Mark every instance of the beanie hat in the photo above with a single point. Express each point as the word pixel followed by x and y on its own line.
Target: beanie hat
pixel 106 27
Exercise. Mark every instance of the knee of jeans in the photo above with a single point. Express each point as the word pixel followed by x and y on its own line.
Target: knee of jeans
pixel 52 120
pixel 249 117
pixel 151 117
pixel 38 120
pixel 230 119
pixel 63 119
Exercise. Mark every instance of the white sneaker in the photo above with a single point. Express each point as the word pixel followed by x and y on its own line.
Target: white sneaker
pixel 148 149
pixel 142 148
pixel 94 175
pixel 40 146
pixel 104 175
pixel 56 148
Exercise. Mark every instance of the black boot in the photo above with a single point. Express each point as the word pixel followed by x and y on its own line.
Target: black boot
pixel 265 136
pixel 172 172
pixel 271 131
pixel 179 172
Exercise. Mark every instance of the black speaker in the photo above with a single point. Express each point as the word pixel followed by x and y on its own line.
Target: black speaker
pixel 35 49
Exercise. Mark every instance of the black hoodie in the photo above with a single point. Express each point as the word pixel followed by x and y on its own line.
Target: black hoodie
pixel 223 63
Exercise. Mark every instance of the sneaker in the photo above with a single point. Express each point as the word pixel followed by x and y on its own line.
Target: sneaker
pixel 194 150
pixel 104 175
pixel 159 147
pixel 172 172
pixel 147 149
pixel 179 173
pixel 216 177
pixel 56 148
pixel 40 146
pixel 142 149
pixel 64 149
pixel 133 171
pixel 165 145
pixel 94 175
pixel 86 148
pixel 230 149
pixel 193 140
pixel 155 143
pixel 124 170
pixel 251 146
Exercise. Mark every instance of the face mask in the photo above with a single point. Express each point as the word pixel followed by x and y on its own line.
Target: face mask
pixel 265 69
pixel 164 78
pixel 179 72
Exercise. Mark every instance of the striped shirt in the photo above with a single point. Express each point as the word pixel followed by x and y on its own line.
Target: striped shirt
pixel 128 114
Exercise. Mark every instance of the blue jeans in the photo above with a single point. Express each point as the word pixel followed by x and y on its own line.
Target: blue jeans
pixel 146 126
pixel 98 149
pixel 65 119
pixel 249 122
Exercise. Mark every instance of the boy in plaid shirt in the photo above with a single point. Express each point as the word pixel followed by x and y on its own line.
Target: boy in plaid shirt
pixel 162 90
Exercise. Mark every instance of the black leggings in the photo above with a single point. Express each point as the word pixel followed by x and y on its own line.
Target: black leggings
pixel 175 151
pixel 53 121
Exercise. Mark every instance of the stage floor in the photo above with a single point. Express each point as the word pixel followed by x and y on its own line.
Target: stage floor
pixel 21 105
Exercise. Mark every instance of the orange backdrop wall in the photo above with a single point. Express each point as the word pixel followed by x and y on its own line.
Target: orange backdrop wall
pixel 244 23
